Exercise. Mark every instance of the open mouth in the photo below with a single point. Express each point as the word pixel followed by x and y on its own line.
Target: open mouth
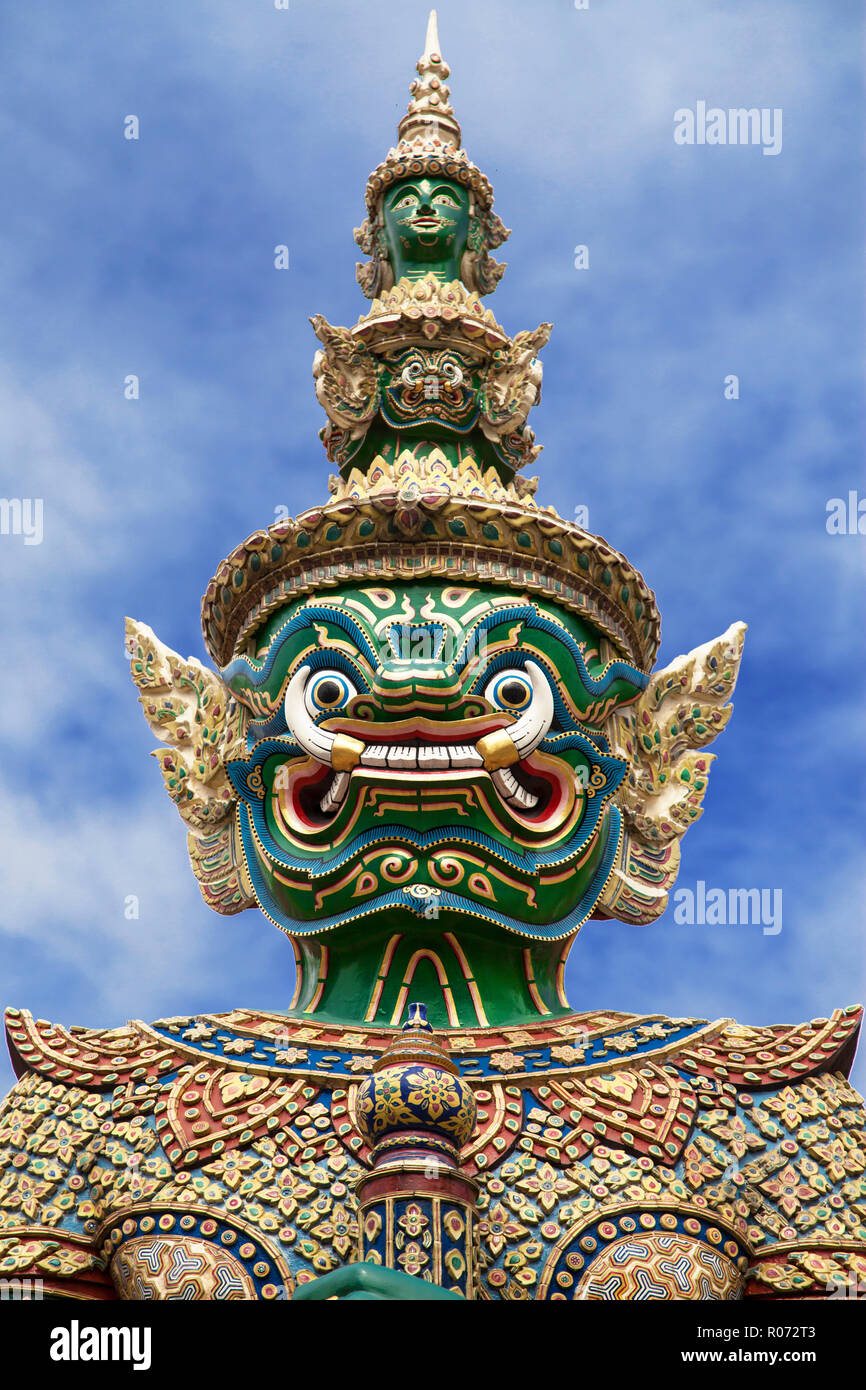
pixel 321 796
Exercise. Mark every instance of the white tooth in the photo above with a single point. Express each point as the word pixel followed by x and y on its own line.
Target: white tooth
pixel 511 791
pixel 402 757
pixel 432 757
pixel 335 793
pixel 524 797
pixel 528 731
pixel 375 756
pixel 462 755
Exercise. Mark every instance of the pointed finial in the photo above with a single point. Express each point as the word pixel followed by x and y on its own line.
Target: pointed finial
pixel 416 1044
pixel 430 119
pixel 432 44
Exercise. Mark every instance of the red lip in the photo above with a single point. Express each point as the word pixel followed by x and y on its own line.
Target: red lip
pixel 551 801
pixel 419 730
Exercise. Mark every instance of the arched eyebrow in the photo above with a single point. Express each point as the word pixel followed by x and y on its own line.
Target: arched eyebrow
pixel 398 193
pixel 256 673
pixel 595 686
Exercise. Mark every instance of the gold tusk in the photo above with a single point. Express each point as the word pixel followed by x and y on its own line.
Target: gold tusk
pixel 346 753
pixel 497 750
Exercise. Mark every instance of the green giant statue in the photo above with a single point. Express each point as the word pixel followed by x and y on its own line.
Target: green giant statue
pixel 432 747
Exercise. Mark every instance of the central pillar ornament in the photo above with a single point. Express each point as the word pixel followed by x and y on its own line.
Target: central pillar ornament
pixel 416 1207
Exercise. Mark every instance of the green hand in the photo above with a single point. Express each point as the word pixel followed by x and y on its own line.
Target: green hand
pixel 370 1281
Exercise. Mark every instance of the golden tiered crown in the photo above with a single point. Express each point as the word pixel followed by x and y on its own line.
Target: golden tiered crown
pixel 412 502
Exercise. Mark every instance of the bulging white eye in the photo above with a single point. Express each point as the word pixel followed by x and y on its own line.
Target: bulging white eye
pixel 407 201
pixel 510 690
pixel 446 201
pixel 326 692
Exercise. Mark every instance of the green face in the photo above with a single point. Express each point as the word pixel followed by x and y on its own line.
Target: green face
pixel 426 227
pixel 435 749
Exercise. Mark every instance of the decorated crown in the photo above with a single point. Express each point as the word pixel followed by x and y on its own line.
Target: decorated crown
pixel 427 399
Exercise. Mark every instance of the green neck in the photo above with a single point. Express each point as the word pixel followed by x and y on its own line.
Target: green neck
pixel 385 442
pixel 446 271
pixel 467 979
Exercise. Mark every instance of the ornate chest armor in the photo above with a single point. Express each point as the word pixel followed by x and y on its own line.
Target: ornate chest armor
pixel 433 744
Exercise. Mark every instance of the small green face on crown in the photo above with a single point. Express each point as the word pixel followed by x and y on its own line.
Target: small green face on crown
pixel 426 225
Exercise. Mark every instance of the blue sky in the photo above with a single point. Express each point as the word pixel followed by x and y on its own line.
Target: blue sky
pixel 155 257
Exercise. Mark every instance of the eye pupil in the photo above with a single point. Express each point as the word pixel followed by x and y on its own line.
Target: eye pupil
pixel 512 692
pixel 328 692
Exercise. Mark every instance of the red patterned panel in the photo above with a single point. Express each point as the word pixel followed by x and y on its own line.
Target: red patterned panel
pixel 649 1110
pixel 212 1108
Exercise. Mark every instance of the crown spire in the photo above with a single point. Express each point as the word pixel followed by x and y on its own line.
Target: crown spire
pixel 430 119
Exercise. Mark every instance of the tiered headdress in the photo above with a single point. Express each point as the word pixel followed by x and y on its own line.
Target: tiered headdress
pixel 423 505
